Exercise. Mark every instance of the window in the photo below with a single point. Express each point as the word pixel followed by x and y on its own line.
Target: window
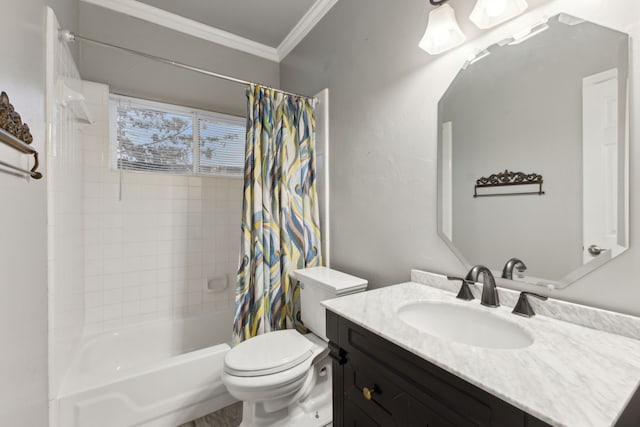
pixel 156 137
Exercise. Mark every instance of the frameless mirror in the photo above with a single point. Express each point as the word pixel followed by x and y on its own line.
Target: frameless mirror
pixel 532 153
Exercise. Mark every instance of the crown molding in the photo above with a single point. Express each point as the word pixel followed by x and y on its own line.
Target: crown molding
pixel 197 29
pixel 304 26
pixel 188 26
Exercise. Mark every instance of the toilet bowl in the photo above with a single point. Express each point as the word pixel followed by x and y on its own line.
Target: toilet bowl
pixel 284 377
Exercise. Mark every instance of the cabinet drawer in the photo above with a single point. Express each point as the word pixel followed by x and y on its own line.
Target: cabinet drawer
pixel 387 403
pixel 393 403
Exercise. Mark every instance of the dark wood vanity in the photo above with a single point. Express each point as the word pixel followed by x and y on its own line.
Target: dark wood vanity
pixel 377 383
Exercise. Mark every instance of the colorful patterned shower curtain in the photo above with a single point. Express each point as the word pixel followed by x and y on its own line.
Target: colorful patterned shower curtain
pixel 280 226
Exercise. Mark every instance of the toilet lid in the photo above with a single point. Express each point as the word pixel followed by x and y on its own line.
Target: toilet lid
pixel 268 354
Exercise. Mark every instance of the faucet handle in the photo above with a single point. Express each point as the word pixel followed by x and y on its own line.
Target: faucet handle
pixel 531 294
pixel 523 307
pixel 465 291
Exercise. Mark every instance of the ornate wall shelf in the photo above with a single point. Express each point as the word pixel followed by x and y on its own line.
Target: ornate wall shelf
pixel 509 179
pixel 16 135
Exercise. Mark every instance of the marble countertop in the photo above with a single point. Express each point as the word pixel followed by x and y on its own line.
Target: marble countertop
pixel 570 376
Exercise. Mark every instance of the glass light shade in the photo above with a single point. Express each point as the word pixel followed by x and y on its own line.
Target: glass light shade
pixel 489 13
pixel 443 32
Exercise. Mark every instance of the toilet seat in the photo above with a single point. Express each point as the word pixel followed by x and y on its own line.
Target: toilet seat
pixel 268 354
pixel 293 369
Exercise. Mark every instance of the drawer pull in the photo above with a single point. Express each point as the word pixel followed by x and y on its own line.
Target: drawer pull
pixel 367 392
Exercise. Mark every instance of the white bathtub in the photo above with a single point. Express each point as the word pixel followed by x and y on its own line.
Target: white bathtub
pixel 159 374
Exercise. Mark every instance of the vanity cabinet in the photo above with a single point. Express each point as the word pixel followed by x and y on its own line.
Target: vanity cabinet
pixel 376 383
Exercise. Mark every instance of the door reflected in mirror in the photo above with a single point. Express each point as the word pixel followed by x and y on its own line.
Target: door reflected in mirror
pixel 550 107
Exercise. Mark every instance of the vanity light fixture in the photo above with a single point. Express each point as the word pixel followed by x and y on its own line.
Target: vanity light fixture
pixel 489 13
pixel 443 32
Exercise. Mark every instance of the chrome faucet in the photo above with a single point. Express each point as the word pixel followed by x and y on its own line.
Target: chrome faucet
pixel 507 271
pixel 489 289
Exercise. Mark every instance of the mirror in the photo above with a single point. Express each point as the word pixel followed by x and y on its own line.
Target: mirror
pixel 532 153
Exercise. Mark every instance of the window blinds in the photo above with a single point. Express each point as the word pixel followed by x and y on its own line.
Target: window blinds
pixel 155 137
pixel 222 144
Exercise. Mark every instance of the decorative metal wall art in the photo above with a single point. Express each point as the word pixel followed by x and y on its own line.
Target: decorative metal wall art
pixel 506 179
pixel 16 135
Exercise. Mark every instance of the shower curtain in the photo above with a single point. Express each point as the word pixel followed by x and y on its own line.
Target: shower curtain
pixel 280 226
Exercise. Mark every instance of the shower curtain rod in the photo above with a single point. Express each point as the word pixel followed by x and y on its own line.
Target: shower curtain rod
pixel 71 37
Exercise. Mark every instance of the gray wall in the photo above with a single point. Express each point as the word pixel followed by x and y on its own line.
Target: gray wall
pixel 135 76
pixel 508 112
pixel 384 94
pixel 23 215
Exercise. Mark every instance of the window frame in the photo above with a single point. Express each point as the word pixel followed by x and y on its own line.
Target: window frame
pixel 196 115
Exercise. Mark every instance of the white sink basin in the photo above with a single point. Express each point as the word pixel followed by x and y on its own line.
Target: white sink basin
pixel 468 325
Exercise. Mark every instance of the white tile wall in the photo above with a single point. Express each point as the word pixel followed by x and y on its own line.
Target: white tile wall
pixel 150 254
pixel 65 212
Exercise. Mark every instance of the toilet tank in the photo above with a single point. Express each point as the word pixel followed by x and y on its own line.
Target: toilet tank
pixel 319 284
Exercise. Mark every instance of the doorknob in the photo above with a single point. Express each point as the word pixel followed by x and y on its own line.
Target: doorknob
pixel 595 250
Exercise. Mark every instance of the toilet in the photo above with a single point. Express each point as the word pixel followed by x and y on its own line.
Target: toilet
pixel 284 377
